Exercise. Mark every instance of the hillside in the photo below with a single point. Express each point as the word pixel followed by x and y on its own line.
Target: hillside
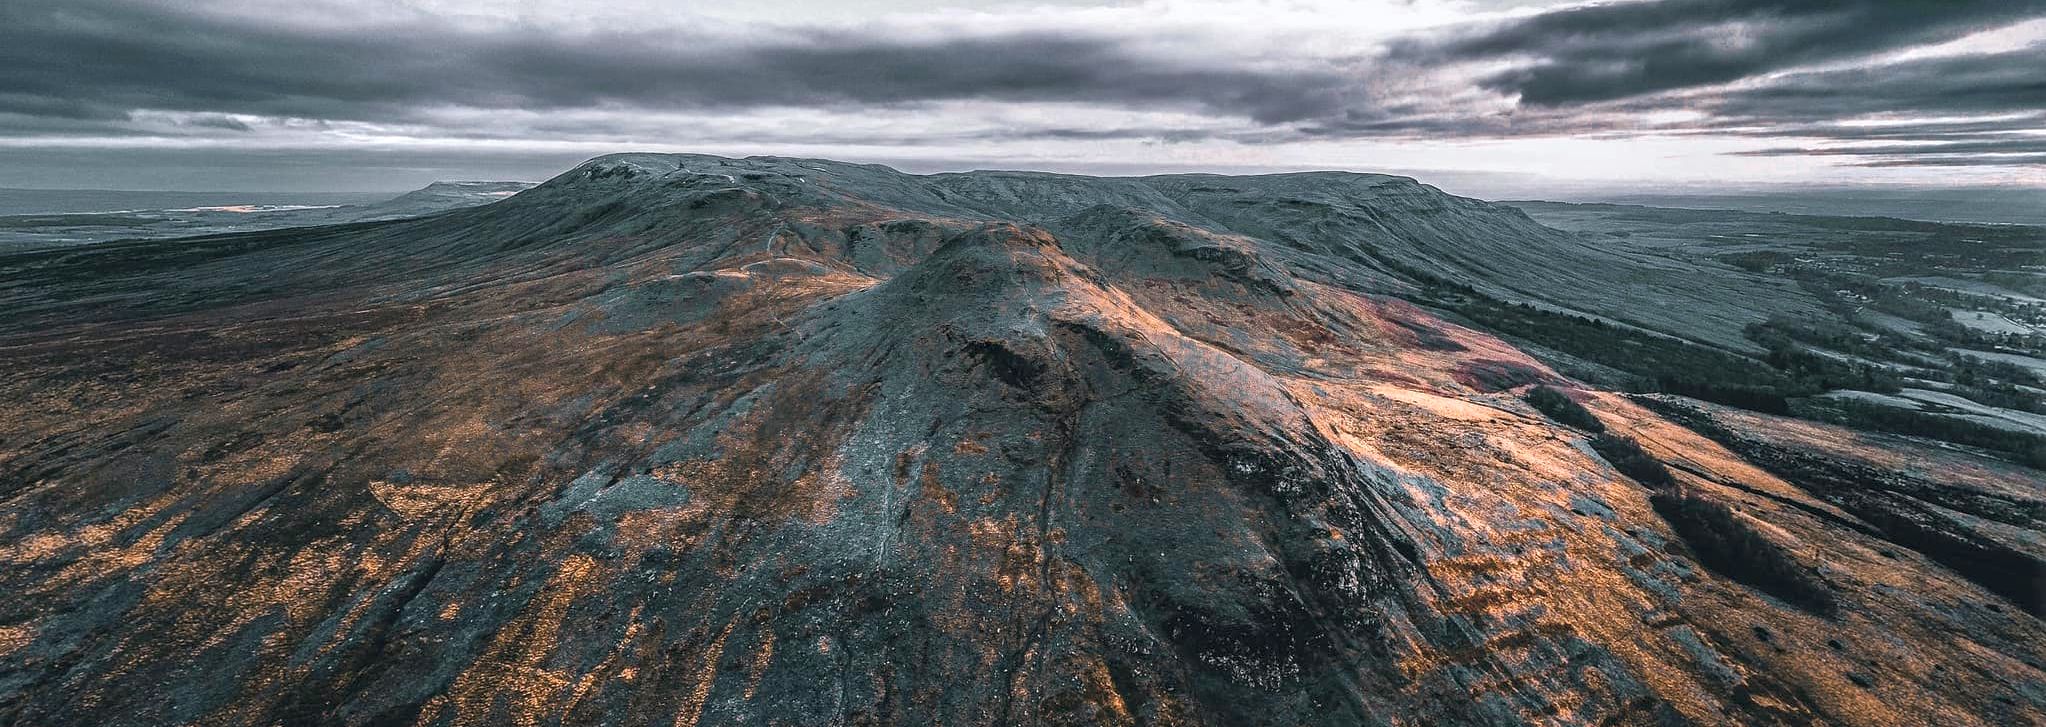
pixel 688 440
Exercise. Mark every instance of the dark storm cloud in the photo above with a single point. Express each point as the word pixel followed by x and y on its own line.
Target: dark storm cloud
pixel 96 59
pixel 1625 49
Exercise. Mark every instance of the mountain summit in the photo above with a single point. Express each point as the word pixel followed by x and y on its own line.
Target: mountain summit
pixel 676 439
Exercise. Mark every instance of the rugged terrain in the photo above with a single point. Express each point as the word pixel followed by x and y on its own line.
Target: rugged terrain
pixel 689 440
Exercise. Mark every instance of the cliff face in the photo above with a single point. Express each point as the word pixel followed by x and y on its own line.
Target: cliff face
pixel 688 440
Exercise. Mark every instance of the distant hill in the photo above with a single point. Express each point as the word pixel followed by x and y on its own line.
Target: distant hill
pixel 41 218
pixel 81 201
pixel 2023 206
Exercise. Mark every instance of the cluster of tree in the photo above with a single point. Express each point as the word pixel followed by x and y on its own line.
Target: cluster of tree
pixel 1952 332
pixel 1759 261
pixel 1929 305
pixel 2027 448
pixel 1934 306
pixel 1996 383
pixel 1832 335
pixel 1560 407
pixel 1627 456
pixel 2003 396
pixel 1656 363
pixel 1985 381
pixel 1726 543
pixel 1971 370
pixel 1825 373
pixel 1993 383
pixel 1818 371
pixel 1872 292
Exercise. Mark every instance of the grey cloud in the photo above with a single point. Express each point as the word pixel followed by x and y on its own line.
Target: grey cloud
pixel 1605 69
pixel 82 67
pixel 1992 146
pixel 228 123
pixel 1894 130
pixel 1619 50
pixel 98 58
pixel 2006 87
pixel 2021 160
pixel 1968 84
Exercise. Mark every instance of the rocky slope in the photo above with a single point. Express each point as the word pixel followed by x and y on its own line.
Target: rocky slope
pixel 688 440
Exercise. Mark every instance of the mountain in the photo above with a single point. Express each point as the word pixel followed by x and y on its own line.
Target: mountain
pixel 16 201
pixel 43 218
pixel 692 440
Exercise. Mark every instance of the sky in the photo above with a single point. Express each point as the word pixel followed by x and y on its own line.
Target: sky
pixel 360 95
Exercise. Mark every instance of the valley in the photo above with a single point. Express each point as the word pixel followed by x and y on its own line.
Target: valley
pixel 1924 328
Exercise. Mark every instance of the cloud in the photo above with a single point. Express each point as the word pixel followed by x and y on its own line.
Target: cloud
pixel 1987 160
pixel 1999 83
pixel 2016 151
pixel 2035 144
pixel 99 58
pixel 1890 129
pixel 1619 50
pixel 1811 75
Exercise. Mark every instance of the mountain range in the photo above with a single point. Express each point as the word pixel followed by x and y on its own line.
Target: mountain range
pixel 44 218
pixel 681 439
